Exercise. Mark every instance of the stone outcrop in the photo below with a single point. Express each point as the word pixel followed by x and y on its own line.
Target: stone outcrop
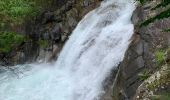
pixel 141 53
pixel 157 86
pixel 49 31
pixel 56 26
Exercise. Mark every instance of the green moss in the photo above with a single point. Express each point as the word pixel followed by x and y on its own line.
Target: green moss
pixel 160 57
pixel 8 40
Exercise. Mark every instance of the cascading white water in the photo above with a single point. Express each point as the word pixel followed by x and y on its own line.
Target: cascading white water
pixel 96 46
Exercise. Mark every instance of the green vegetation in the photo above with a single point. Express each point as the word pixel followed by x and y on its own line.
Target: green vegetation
pixel 160 57
pixel 43 43
pixel 8 40
pixel 164 79
pixel 161 78
pixel 166 30
pixel 157 84
pixel 142 1
pixel 13 13
pixel 144 75
pixel 161 15
pixel 16 11
pixel 164 3
pixel 161 97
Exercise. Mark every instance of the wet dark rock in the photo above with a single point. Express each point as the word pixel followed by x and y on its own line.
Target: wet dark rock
pixel 140 55
pixel 47 17
pixel 56 33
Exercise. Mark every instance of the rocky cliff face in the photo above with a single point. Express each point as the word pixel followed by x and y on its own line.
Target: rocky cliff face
pixel 55 26
pixel 147 40
pixel 48 32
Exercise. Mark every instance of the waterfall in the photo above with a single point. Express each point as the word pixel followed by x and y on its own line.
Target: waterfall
pixel 96 46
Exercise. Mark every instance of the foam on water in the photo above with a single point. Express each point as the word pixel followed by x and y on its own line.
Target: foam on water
pixel 96 46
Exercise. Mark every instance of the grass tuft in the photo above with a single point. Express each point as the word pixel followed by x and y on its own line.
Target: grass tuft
pixel 160 57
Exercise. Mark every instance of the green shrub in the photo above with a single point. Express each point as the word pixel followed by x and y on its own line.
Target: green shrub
pixel 8 40
pixel 160 57
pixel 14 13
pixel 15 10
pixel 144 75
